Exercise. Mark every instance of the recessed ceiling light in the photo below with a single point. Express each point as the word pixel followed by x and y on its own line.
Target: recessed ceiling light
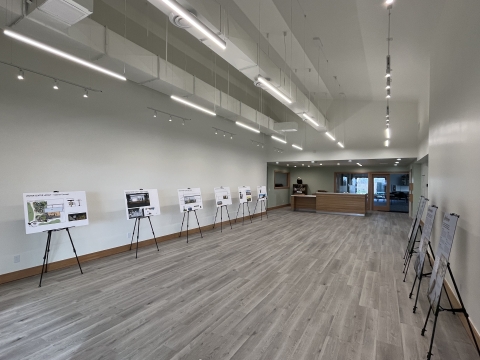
pixel 295 166
pixel 308 165
pixel 359 164
pixel 277 162
pixel 320 164
pixel 338 163
pixel 303 164
pixel 399 159
pixel 349 160
pixel 313 161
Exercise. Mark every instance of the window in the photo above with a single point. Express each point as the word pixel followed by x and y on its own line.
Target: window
pixel 281 180
pixel 351 183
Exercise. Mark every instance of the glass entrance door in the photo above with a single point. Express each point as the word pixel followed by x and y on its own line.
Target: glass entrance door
pixel 380 192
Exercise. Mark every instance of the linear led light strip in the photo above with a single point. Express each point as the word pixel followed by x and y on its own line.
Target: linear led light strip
pixel 278 139
pixel 330 136
pixel 62 54
pixel 297 147
pixel 247 127
pixel 272 88
pixel 310 119
pixel 197 24
pixel 195 106
pixel 340 144
pixel 387 133
pixel 359 164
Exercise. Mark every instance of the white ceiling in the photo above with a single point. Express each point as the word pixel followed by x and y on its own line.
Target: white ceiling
pixel 351 162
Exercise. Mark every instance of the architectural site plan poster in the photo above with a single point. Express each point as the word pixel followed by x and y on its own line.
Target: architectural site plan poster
pixel 262 193
pixel 141 203
pixel 190 199
pixel 244 194
pixel 449 224
pixel 54 210
pixel 222 196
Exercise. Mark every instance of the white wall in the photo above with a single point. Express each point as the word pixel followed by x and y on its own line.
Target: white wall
pixel 57 140
pixel 454 145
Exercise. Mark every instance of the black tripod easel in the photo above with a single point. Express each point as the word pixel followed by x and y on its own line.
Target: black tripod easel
pixel 221 217
pixel 422 275
pixel 461 310
pixel 410 251
pixel 188 220
pixel 137 224
pixel 415 220
pixel 47 251
pixel 261 211
pixel 243 217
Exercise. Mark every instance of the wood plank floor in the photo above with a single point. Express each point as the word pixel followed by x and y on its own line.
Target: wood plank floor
pixel 293 286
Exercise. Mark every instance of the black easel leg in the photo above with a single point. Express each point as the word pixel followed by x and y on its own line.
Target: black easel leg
pixel 133 232
pixel 418 292
pixel 249 213
pixel 243 217
pixel 261 210
pixel 426 320
pixel 182 225
pixel 255 208
pixel 448 297
pixel 188 221
pixel 413 287
pixel 406 267
pixel 138 235
pixel 237 213
pixel 266 212
pixel 75 251
pixel 226 208
pixel 198 223
pixel 153 232
pixel 429 354
pixel 47 247
pixel 214 221
pixel 221 218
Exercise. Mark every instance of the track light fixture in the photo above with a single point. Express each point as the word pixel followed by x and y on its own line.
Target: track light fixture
pixel 154 114
pixel 277 150
pixel 20 74
pixel 225 133
pixel 170 116
pixel 85 94
pixel 61 54
pixel 55 85
pixel 388 94
pixel 258 144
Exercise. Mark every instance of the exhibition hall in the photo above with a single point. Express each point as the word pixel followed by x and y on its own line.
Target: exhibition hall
pixel 239 179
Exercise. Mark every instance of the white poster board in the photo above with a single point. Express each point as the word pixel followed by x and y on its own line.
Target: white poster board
pixel 244 194
pixel 412 238
pixel 190 199
pixel 425 239
pixel 262 193
pixel 222 196
pixel 415 219
pixel 449 224
pixel 141 203
pixel 54 210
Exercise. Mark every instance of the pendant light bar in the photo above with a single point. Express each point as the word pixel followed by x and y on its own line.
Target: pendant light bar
pixel 61 54
pixel 195 106
pixel 297 147
pixel 387 133
pixel 247 127
pixel 180 10
pixel 341 145
pixel 330 136
pixel 305 116
pixel 273 89
pixel 278 139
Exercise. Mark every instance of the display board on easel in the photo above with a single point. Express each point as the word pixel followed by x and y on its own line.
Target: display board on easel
pixel 262 193
pixel 54 210
pixel 449 225
pixel 190 199
pixel 141 203
pixel 223 196
pixel 244 194
pixel 425 239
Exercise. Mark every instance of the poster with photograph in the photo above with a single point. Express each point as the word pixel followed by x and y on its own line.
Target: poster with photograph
pixel 415 219
pixel 424 240
pixel 244 194
pixel 54 210
pixel 413 237
pixel 449 224
pixel 222 196
pixel 190 199
pixel 262 193
pixel 141 203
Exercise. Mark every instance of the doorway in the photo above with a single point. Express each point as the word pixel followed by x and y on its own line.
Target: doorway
pixel 380 186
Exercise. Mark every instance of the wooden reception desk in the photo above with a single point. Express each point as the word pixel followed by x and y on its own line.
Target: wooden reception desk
pixel 331 203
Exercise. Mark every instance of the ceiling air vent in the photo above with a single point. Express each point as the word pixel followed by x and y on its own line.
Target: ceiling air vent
pixel 66 11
